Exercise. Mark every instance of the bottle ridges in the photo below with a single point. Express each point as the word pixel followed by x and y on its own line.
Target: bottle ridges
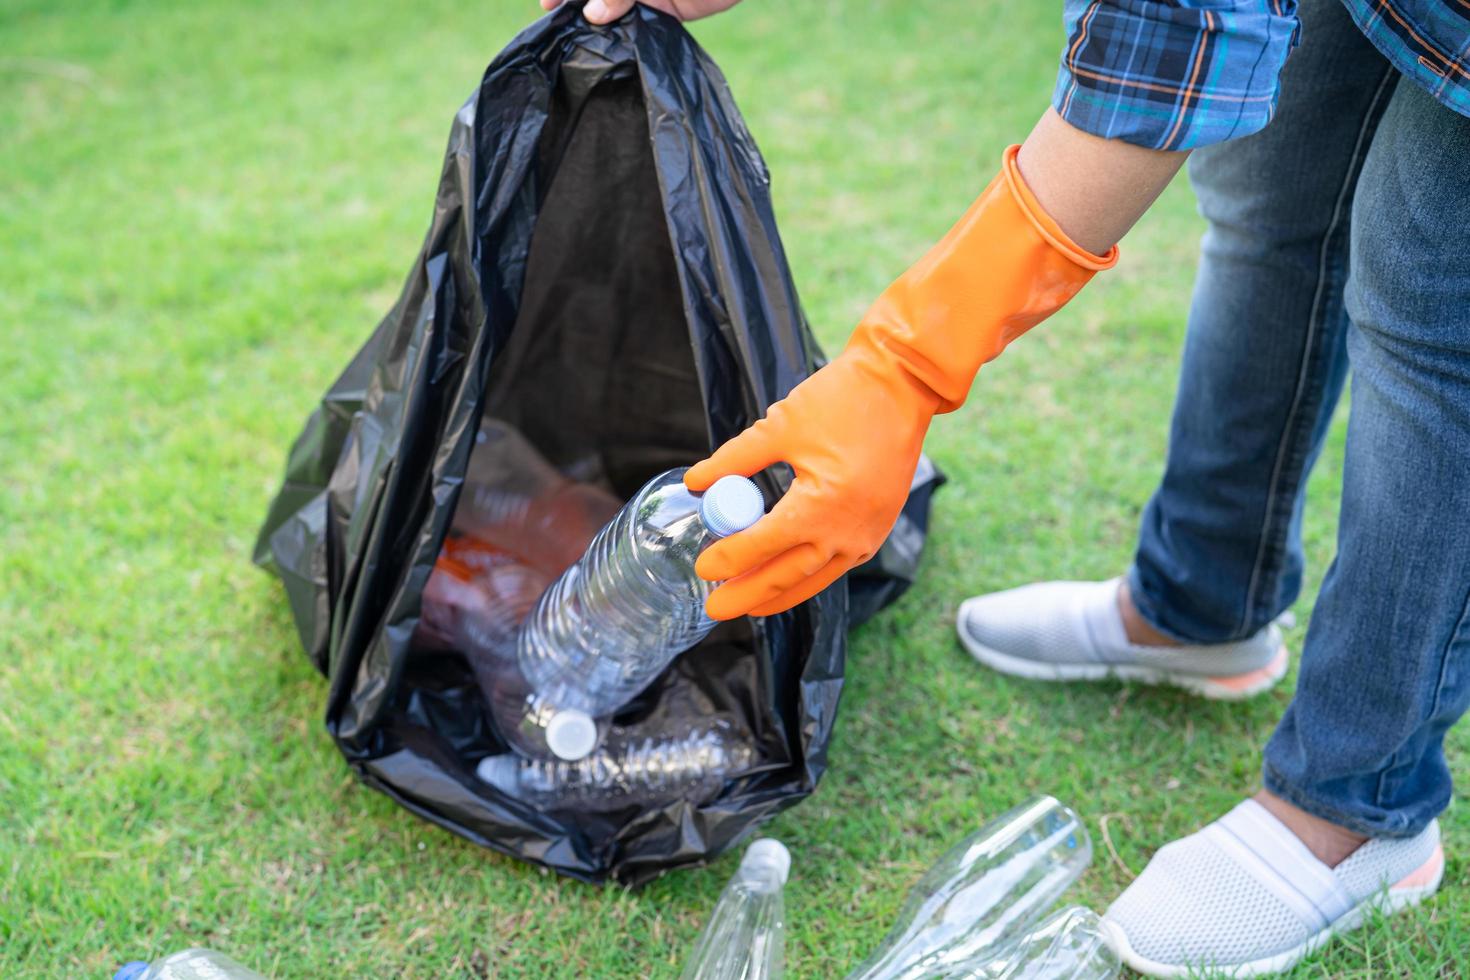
pixel 610 623
pixel 647 769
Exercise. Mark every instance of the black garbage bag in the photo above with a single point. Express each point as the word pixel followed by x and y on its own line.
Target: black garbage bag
pixel 603 272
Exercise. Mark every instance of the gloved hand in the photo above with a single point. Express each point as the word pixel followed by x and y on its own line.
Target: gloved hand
pixel 852 432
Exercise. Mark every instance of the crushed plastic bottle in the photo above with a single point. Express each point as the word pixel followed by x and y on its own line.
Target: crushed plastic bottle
pixel 983 893
pixel 518 525
pixel 188 964
pixel 516 501
pixel 476 599
pixel 616 619
pixel 1068 945
pixel 745 938
pixel 629 769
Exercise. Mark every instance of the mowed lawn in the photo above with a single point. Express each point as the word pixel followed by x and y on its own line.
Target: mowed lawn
pixel 206 206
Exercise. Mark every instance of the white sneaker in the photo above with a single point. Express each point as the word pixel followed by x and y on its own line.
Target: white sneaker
pixel 1073 631
pixel 1244 897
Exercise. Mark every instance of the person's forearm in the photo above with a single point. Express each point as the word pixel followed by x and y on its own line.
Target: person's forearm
pixel 1094 188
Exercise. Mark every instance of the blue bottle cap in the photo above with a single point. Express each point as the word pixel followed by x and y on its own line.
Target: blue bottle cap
pixel 131 971
pixel 732 504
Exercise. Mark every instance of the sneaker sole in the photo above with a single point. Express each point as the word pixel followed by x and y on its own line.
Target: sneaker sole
pixel 1407 893
pixel 1234 688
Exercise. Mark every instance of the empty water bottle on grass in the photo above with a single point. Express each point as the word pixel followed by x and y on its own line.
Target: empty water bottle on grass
pixel 189 964
pixel 1068 945
pixel 745 938
pixel 985 892
pixel 616 619
pixel 628 769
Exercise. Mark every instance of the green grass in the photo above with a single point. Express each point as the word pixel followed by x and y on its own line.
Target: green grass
pixel 205 207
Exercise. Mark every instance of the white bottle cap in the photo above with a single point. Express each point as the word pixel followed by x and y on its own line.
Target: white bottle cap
pixel 767 853
pixel 499 771
pixel 731 504
pixel 571 734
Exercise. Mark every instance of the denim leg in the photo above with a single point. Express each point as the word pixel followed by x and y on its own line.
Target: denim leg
pixel 1219 551
pixel 1386 666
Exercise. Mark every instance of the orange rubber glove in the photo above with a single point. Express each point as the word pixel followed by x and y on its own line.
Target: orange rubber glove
pixel 852 432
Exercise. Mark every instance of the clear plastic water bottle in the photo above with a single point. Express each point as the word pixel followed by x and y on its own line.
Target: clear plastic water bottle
pixel 615 619
pixel 1068 945
pixel 189 964
pixel 746 936
pixel 983 893
pixel 629 769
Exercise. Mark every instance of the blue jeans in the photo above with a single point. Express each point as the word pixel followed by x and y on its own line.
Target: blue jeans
pixel 1335 242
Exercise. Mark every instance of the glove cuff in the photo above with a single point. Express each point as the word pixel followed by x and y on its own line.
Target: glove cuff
pixel 1003 268
pixel 1044 224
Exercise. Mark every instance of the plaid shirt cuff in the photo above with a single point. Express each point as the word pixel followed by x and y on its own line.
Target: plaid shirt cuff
pixel 1171 76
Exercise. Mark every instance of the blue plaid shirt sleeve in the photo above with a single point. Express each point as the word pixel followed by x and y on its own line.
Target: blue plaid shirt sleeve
pixel 1173 75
